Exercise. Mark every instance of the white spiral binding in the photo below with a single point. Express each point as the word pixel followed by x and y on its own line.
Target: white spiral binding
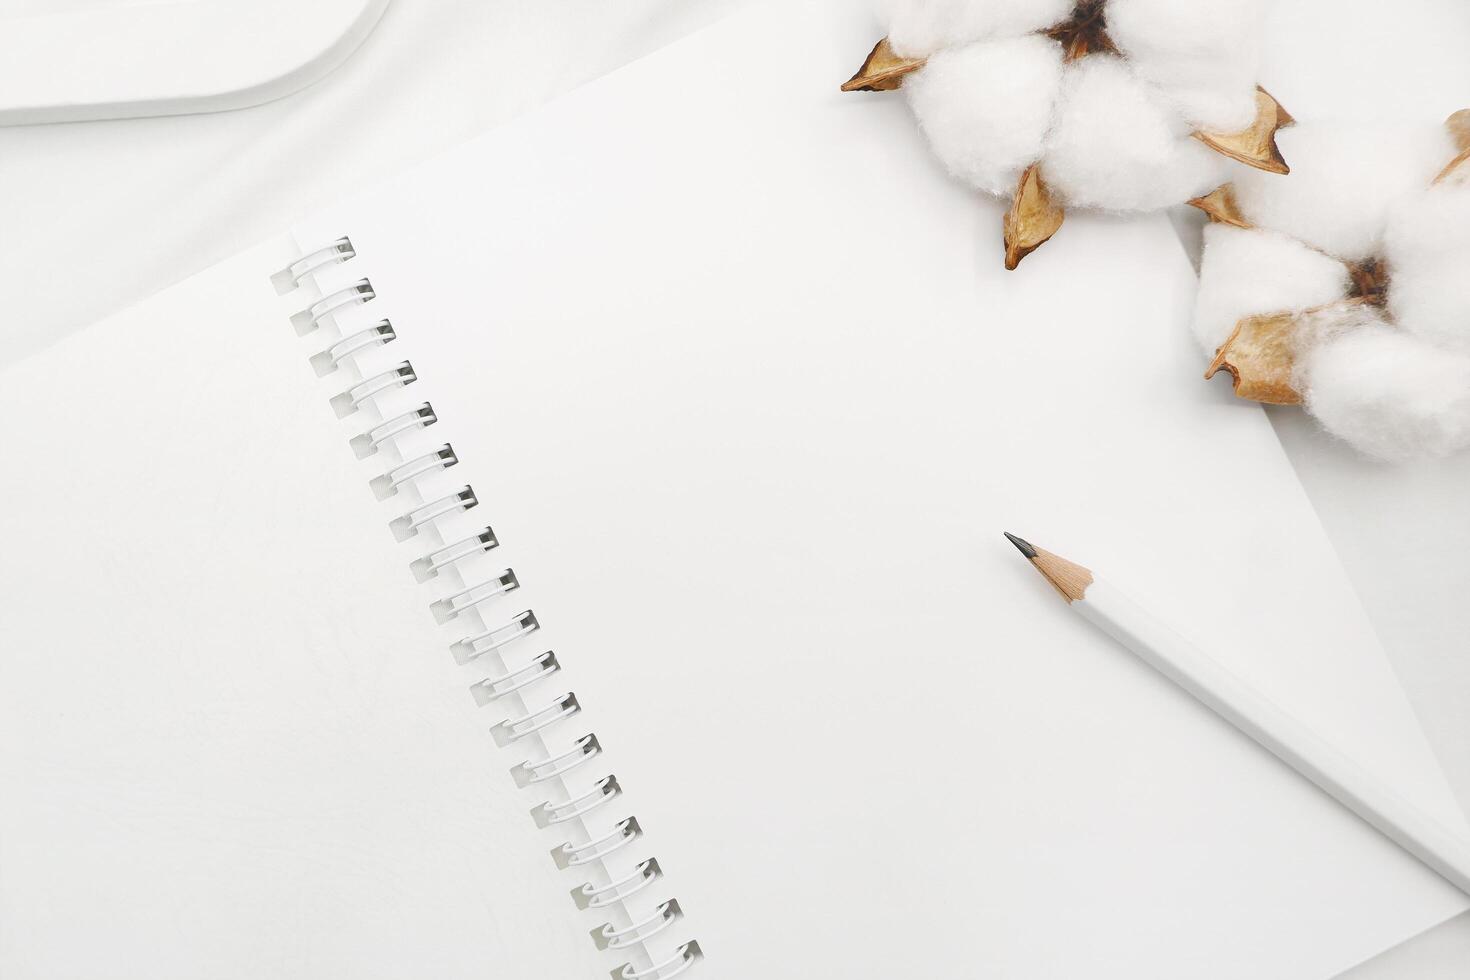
pixel 588 896
pixel 686 956
pixel 551 814
pixel 509 681
pixel 349 401
pixel 436 561
pixel 408 525
pixel 290 277
pixel 387 485
pixel 326 362
pixel 583 750
pixel 451 606
pixel 367 444
pixel 578 803
pixel 606 937
pixel 625 833
pixel 311 318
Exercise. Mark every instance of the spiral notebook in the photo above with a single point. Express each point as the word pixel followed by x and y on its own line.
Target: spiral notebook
pixel 582 556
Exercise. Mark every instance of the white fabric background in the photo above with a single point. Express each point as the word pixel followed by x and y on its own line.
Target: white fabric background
pixel 99 215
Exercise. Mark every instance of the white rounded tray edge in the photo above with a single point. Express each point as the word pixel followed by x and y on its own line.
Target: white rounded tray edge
pixel 174 57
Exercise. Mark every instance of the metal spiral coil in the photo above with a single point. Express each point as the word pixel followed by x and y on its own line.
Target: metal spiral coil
pixel 530 773
pixel 367 444
pixel 326 362
pixel 576 796
pixel 606 937
pixel 311 318
pixel 452 606
pixel 591 896
pixel 388 484
pixel 494 688
pixel 487 641
pixel 528 723
pixel 290 277
pixel 408 525
pixel 686 956
pixel 570 856
pixel 434 562
pixel 349 401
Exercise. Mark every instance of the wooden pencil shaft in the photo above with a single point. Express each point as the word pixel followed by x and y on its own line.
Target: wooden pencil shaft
pixel 1068 578
pixel 1281 734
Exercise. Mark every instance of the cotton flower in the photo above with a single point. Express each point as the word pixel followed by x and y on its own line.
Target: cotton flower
pixel 1344 287
pixel 1258 271
pixel 1123 105
pixel 1390 395
pixel 1347 180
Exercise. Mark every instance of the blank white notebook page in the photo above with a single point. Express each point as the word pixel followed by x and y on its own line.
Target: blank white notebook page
pixel 231 745
pixel 742 383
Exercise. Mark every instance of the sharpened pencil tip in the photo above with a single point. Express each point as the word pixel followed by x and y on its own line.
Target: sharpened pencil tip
pixel 1068 578
pixel 1022 545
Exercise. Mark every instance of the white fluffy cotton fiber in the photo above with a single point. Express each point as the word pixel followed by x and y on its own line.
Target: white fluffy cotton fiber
pixel 1427 246
pixel 1389 371
pixel 1109 130
pixel 1116 144
pixel 1201 54
pixel 918 28
pixel 1246 272
pixel 1431 301
pixel 1344 180
pixel 1428 224
pixel 992 133
pixel 1388 394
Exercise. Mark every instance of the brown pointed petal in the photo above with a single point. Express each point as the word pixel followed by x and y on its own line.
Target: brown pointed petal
pixel 1255 145
pixel 1459 127
pixel 1258 356
pixel 1033 218
pixel 883 70
pixel 1456 170
pixel 1221 207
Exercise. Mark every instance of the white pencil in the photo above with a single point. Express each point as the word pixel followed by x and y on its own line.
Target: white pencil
pixel 1247 709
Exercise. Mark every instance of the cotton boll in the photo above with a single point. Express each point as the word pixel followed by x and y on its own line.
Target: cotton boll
pixel 1116 145
pixel 918 28
pixel 1427 246
pixel 1245 272
pixel 1425 226
pixel 1388 394
pixel 1344 180
pixel 1202 54
pixel 1326 324
pixel 1431 299
pixel 985 107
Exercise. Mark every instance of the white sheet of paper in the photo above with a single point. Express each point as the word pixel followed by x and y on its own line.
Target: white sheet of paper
pixel 751 399
pixel 230 745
